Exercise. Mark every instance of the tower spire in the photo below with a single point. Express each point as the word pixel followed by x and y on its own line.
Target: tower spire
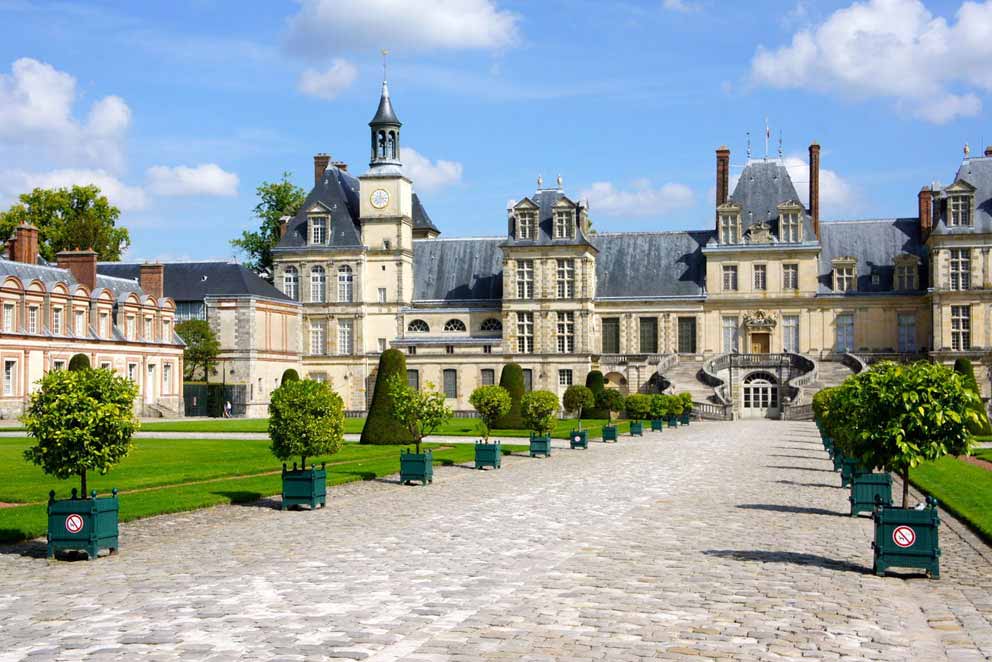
pixel 385 128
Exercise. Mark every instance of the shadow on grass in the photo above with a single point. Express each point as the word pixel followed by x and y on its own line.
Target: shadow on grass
pixel 778 508
pixel 794 558
pixel 780 466
pixel 798 484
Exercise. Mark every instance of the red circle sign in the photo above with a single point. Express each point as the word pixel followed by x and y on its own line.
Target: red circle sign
pixel 74 523
pixel 578 438
pixel 903 536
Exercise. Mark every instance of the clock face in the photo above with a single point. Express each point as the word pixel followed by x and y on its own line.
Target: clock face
pixel 379 198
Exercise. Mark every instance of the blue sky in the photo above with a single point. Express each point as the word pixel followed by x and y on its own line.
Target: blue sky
pixel 180 109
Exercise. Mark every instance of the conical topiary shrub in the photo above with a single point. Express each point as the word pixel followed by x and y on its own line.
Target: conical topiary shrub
pixel 512 379
pixel 596 383
pixel 289 375
pixel 381 427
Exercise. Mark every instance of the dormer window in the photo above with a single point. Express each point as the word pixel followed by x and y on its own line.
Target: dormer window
pixel 845 274
pixel 526 225
pixel 959 211
pixel 730 225
pixel 790 224
pixel 564 224
pixel 318 229
pixel 907 269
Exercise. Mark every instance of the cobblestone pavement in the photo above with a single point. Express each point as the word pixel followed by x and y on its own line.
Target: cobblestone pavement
pixel 721 541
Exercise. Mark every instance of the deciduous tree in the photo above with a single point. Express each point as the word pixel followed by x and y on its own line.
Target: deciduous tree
pixel 275 200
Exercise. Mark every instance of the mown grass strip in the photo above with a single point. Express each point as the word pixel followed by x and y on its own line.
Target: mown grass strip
pixel 963 489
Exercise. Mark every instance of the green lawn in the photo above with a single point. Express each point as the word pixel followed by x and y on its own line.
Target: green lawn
pixel 962 488
pixel 983 453
pixel 162 464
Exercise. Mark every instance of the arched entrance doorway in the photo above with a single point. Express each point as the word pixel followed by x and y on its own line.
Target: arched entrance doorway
pixel 761 396
pixel 617 381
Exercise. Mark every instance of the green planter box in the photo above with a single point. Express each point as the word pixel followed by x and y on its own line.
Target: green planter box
pixel 637 429
pixel 849 467
pixel 838 459
pixel 609 433
pixel 488 455
pixel 869 490
pixel 907 538
pixel 673 421
pixel 684 419
pixel 540 445
pixel 304 487
pixel 416 467
pixel 578 439
pixel 657 425
pixel 86 524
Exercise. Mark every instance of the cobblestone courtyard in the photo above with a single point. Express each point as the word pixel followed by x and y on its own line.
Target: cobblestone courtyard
pixel 727 541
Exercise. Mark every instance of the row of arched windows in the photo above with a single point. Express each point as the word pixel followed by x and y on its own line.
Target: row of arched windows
pixel 318 284
pixel 453 325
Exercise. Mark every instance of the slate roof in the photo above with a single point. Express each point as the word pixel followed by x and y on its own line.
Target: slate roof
pixel 384 114
pixel 978 173
pixel 875 244
pixel 456 270
pixel 763 185
pixel 192 281
pixel 546 199
pixel 51 275
pixel 650 264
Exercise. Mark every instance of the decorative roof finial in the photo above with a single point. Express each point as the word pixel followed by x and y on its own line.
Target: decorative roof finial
pixel 559 182
pixel 780 144
pixel 748 134
pixel 967 150
pixel 540 182
pixel 768 134
pixel 385 53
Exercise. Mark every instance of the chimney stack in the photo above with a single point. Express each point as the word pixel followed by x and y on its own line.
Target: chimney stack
pixel 926 212
pixel 283 225
pixel 24 247
pixel 814 187
pixel 722 175
pixel 341 165
pixel 988 151
pixel 81 264
pixel 151 277
pixel 320 162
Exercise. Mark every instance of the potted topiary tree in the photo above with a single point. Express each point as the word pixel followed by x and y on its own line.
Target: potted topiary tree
pixel 675 409
pixel 540 412
pixel 576 399
pixel 686 399
pixel 659 409
pixel 382 426
pixel 610 400
pixel 894 417
pixel 512 379
pixel 492 402
pixel 638 408
pixel 306 419
pixel 82 421
pixel 422 412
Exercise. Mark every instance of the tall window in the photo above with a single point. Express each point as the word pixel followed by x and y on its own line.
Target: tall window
pixel 730 278
pixel 33 319
pixel 318 285
pixel 149 329
pixel 382 295
pixel 166 330
pixel 566 279
pixel 844 278
pixel 790 333
pixel 346 284
pixel 526 225
pixel 790 276
pixel 960 268
pixel 488 376
pixel 80 325
pixel 413 378
pixel 959 208
pixel 166 378
pixel 648 335
pixel 760 277
pixel 564 377
pixel 346 338
pixel 961 328
pixel 318 230
pixel 103 327
pixel 525 333
pixel 730 334
pixel 8 317
pixel 730 228
pixel 845 333
pixel 528 380
pixel 317 344
pixel 687 335
pixel 57 320
pixel 611 335
pixel 564 227
pixel 525 279
pixel 9 377
pixel 907 332
pixel 450 377
pixel 291 283
pixel 132 328
pixel 566 333
pixel 791 227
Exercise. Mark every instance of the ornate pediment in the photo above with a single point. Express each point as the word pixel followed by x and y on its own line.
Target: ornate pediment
pixel 760 319
pixel 759 233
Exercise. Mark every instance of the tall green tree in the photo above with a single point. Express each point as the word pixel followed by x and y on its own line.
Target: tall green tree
pixel 202 349
pixel 275 200
pixel 69 218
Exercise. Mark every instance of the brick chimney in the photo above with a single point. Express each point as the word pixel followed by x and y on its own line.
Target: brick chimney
pixel 151 277
pixel 926 212
pixel 81 264
pixel 340 165
pixel 24 246
pixel 814 187
pixel 320 162
pixel 722 175
pixel 988 151
pixel 283 225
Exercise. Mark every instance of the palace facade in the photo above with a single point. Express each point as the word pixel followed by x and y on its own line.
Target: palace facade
pixel 769 277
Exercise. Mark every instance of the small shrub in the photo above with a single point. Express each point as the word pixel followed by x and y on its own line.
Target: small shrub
pixel 512 379
pixel 576 399
pixel 610 400
pixel 422 411
pixel 686 399
pixel 638 406
pixel 659 405
pixel 306 419
pixel 492 402
pixel 540 411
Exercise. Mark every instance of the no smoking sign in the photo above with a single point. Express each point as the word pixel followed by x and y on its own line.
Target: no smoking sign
pixel 74 523
pixel 903 536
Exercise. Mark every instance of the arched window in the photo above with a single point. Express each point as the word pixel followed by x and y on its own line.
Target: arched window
pixel 454 325
pixel 346 284
pixel 418 326
pixel 391 145
pixel 491 324
pixel 382 144
pixel 760 377
pixel 318 285
pixel 291 283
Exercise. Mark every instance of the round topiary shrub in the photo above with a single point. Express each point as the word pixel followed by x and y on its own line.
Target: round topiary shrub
pixel 381 426
pixel 596 383
pixel 638 406
pixel 306 419
pixel 540 411
pixel 512 379
pixel 610 400
pixel 492 402
pixel 79 362
pixel 659 406
pixel 577 399
pixel 290 376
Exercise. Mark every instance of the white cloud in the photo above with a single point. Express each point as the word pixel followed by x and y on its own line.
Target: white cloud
pixel 329 83
pixel 127 198
pixel 206 179
pixel 894 49
pixel 429 176
pixel 36 111
pixel 680 6
pixel 640 200
pixel 336 25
